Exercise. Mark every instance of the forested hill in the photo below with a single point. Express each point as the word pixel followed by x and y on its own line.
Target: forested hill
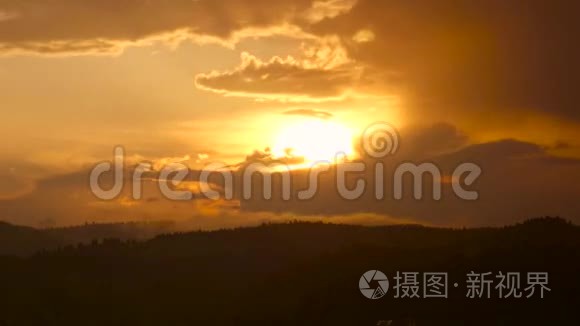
pixel 24 241
pixel 292 274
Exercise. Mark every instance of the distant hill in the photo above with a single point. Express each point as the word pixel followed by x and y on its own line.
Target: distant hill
pixel 23 241
pixel 18 240
pixel 291 274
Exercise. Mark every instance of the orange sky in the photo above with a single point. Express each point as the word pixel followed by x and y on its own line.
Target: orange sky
pixel 202 81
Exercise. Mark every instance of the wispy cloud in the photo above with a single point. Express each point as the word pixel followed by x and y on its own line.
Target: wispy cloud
pixel 310 113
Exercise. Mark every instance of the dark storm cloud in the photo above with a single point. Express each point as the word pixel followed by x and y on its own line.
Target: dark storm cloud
pixel 429 140
pixel 471 57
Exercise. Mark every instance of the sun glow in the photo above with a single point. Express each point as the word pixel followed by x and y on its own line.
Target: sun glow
pixel 314 140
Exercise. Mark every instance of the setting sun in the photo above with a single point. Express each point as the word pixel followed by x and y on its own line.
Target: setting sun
pixel 314 140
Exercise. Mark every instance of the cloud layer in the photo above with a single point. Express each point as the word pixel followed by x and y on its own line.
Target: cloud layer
pixel 471 57
pixel 101 25
pixel 450 58
pixel 285 79
pixel 520 180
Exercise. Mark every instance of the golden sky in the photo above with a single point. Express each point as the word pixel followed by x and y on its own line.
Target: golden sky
pixel 199 81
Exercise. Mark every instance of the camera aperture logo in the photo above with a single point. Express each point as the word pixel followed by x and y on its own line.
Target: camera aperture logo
pixel 374 284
